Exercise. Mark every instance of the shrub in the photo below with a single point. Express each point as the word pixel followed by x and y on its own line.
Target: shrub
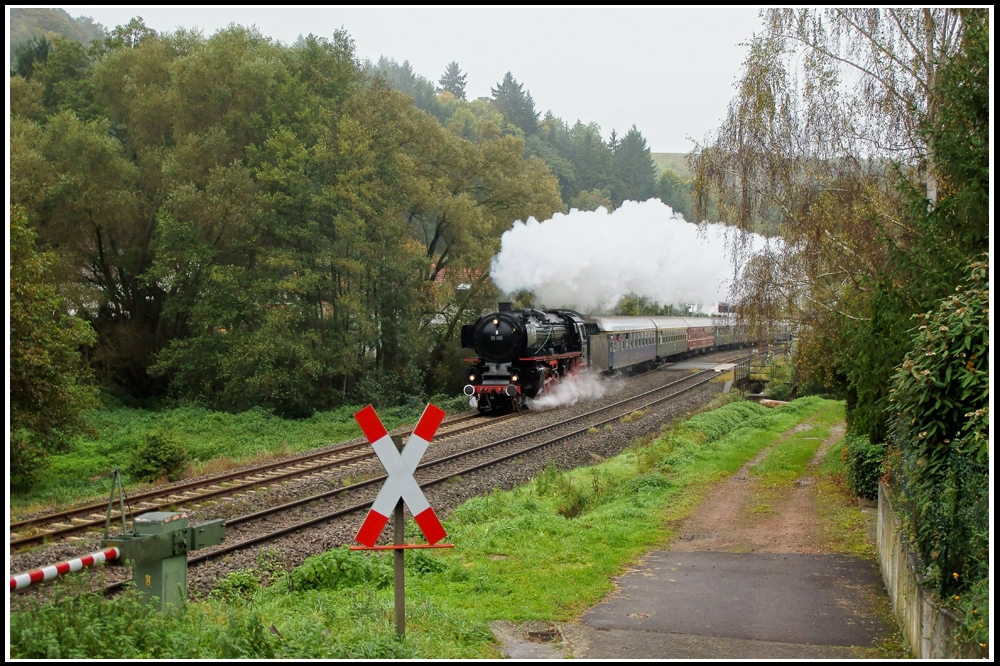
pixel 778 390
pixel 865 463
pixel 237 586
pixel 781 386
pixel 423 563
pixel 940 431
pixel 340 568
pixel 158 455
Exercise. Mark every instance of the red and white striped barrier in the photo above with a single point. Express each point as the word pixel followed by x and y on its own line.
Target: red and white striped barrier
pixel 400 483
pixel 21 581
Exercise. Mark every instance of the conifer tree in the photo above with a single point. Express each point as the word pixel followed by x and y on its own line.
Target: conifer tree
pixel 516 105
pixel 453 80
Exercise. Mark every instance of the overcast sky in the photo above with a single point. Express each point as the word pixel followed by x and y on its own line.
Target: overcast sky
pixel 669 71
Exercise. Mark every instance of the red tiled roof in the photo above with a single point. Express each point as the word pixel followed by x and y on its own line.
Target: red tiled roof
pixel 464 275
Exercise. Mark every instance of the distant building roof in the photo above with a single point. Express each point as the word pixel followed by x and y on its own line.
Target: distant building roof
pixel 457 277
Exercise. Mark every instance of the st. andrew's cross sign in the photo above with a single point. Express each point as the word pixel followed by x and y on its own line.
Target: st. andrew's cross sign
pixel 400 484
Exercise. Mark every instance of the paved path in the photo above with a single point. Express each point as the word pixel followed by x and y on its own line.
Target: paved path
pixel 736 585
pixel 734 605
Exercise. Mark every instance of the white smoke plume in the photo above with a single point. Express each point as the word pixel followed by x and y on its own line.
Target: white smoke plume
pixel 571 390
pixel 589 260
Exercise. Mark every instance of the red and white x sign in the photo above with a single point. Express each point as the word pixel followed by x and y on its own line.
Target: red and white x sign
pixel 400 466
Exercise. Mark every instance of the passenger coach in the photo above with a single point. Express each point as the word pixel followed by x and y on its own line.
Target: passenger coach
pixel 618 343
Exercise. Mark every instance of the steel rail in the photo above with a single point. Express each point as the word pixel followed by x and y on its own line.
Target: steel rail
pixel 263 513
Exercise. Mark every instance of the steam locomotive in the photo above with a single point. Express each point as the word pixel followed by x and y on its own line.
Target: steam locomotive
pixel 524 353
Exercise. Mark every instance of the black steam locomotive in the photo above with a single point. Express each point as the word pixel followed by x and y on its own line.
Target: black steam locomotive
pixel 522 353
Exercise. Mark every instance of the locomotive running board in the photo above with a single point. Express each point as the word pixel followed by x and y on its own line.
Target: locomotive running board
pixel 552 356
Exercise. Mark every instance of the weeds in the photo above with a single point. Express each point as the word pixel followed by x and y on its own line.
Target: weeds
pixel 340 568
pixel 633 416
pixel 238 586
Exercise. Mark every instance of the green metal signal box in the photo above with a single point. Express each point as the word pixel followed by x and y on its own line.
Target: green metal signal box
pixel 157 546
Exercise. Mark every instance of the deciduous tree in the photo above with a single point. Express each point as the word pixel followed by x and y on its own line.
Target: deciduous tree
pixel 48 376
pixel 828 145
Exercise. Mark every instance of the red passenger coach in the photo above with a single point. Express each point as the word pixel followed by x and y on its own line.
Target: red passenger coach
pixel 700 338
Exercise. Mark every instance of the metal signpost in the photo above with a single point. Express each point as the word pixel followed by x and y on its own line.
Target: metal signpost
pixel 400 462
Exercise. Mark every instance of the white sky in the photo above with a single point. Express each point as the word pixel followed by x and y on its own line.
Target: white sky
pixel 670 71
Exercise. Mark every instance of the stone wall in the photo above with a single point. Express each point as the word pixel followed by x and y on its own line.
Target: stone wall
pixel 928 626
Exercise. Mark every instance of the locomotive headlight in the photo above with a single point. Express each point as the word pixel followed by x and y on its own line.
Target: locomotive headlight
pixel 496 321
pixel 513 377
pixel 472 378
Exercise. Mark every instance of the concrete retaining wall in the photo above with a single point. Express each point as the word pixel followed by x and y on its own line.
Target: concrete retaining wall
pixel 927 625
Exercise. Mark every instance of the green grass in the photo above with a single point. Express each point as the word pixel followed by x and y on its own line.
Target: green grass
pixel 676 162
pixel 790 459
pixel 845 527
pixel 545 551
pixel 214 441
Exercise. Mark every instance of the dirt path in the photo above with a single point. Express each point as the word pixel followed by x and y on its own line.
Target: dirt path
pixel 739 516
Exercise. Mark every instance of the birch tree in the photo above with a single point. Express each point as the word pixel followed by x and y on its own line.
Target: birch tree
pixel 826 146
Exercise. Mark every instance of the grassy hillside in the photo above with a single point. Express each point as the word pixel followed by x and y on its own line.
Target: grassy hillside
pixel 676 162
pixel 26 23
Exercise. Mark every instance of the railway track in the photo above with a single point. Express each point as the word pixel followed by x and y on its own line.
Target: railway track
pixel 78 520
pixel 272 523
pixel 81 519
pixel 351 499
